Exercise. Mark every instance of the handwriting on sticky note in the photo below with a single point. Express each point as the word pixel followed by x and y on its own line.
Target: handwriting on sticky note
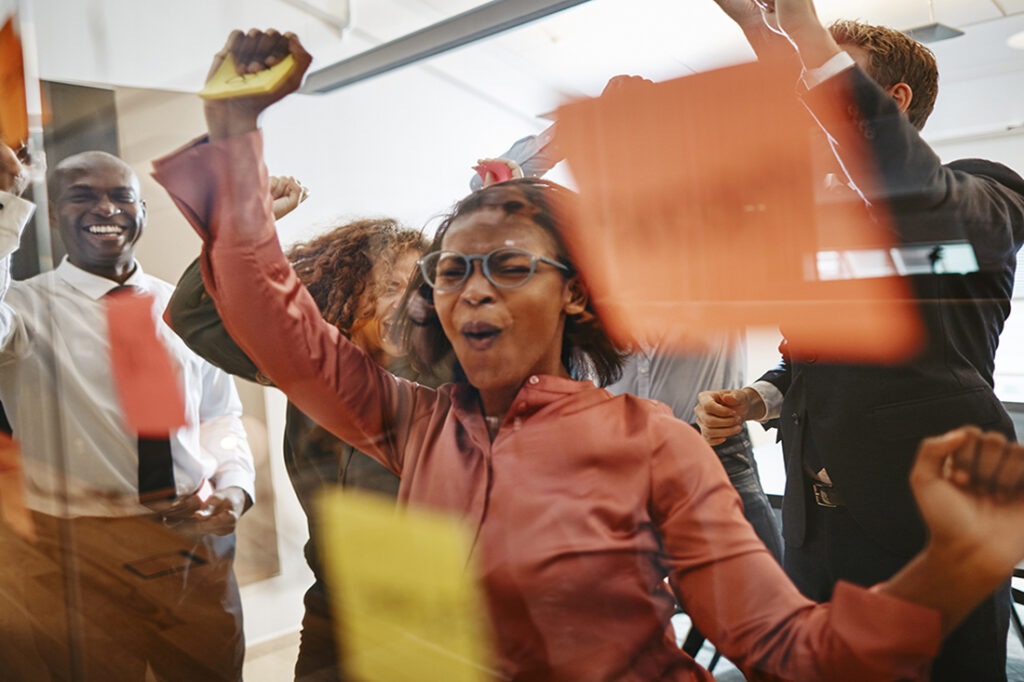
pixel 407 606
pixel 143 371
pixel 227 82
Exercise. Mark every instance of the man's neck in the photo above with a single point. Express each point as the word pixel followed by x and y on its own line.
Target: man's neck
pixel 118 273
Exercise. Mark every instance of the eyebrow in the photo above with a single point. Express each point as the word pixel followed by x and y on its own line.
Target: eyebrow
pixel 91 188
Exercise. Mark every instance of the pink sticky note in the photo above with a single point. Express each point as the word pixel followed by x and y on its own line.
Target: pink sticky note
pixel 143 370
pixel 498 169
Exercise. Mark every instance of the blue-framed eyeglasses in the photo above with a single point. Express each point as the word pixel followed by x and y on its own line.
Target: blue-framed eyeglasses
pixel 505 268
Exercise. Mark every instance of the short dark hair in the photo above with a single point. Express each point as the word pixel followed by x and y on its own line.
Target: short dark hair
pixel 587 352
pixel 895 58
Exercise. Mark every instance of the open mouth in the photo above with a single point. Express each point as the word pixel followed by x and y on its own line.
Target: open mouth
pixel 480 335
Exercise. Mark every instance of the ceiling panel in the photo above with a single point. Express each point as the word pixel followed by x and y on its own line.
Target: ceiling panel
pixel 1012 6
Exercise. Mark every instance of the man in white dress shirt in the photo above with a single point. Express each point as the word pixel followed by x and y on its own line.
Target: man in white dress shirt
pixel 112 587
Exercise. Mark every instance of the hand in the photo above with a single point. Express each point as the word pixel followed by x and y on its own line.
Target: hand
pixel 969 486
pixel 721 414
pixel 798 21
pixel 253 52
pixel 622 82
pixel 218 515
pixel 287 193
pixel 13 175
pixel 746 13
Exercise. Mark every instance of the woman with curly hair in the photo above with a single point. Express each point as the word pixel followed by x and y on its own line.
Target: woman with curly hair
pixel 356 274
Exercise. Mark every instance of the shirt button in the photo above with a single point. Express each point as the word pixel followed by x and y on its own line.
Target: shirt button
pixel 521 406
pixel 796 419
pixel 517 424
pixel 534 379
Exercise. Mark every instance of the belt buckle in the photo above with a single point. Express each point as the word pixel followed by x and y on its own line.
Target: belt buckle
pixel 823 496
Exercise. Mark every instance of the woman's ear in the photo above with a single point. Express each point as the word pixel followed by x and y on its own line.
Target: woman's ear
pixel 576 296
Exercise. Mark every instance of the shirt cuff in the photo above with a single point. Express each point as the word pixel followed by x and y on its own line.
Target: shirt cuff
pixel 239 479
pixel 14 215
pixel 838 63
pixel 772 398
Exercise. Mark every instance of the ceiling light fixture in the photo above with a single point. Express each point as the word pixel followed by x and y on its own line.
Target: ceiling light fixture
pixel 933 32
pixel 1016 41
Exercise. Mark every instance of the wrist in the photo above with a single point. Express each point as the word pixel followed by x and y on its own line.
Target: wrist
pixel 755 404
pixel 815 46
pixel 224 120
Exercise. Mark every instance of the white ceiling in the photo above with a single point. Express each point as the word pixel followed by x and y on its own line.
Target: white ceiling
pixel 154 43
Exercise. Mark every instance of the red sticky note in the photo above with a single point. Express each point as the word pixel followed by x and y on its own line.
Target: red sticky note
pixel 701 211
pixel 144 373
pixel 13 113
pixel 13 511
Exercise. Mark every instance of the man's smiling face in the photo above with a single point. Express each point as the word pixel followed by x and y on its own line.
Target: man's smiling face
pixel 99 212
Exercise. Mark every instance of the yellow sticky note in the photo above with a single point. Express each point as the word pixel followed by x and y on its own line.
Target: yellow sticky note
pixel 228 83
pixel 405 603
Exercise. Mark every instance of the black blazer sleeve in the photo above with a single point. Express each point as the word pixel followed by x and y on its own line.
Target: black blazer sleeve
pixel 929 202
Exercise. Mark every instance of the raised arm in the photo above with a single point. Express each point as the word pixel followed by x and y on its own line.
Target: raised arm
pixel 193 316
pixel 14 215
pixel 222 187
pixel 969 488
pixel 977 201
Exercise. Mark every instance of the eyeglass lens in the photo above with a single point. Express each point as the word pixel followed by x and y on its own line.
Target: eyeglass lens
pixel 505 268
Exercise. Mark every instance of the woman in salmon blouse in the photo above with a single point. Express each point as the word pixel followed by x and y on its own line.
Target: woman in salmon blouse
pixel 581 503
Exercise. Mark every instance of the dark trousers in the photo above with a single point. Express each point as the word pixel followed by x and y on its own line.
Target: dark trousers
pixel 102 599
pixel 318 659
pixel 836 548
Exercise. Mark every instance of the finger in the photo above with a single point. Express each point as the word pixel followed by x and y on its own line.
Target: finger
pixel 934 452
pixel 710 403
pixel 267 48
pixel 1010 480
pixel 184 507
pixel 302 60
pixel 278 51
pixel 246 57
pixel 713 422
pixel 719 434
pixel 230 46
pixel 731 398
pixel 989 454
pixel 963 456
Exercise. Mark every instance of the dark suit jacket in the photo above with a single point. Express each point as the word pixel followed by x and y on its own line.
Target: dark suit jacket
pixel 865 422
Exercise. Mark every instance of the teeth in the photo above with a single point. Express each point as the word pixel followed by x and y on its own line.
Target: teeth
pixel 105 229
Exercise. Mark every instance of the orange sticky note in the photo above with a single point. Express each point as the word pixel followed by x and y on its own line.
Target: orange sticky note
pixel 142 368
pixel 701 211
pixel 13 112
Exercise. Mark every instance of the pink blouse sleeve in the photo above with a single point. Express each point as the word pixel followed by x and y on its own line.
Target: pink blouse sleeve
pixel 740 598
pixel 222 189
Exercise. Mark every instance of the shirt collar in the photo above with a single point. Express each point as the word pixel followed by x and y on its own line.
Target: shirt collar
pixel 94 286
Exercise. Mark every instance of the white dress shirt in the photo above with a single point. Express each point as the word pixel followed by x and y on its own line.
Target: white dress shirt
pixel 57 388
